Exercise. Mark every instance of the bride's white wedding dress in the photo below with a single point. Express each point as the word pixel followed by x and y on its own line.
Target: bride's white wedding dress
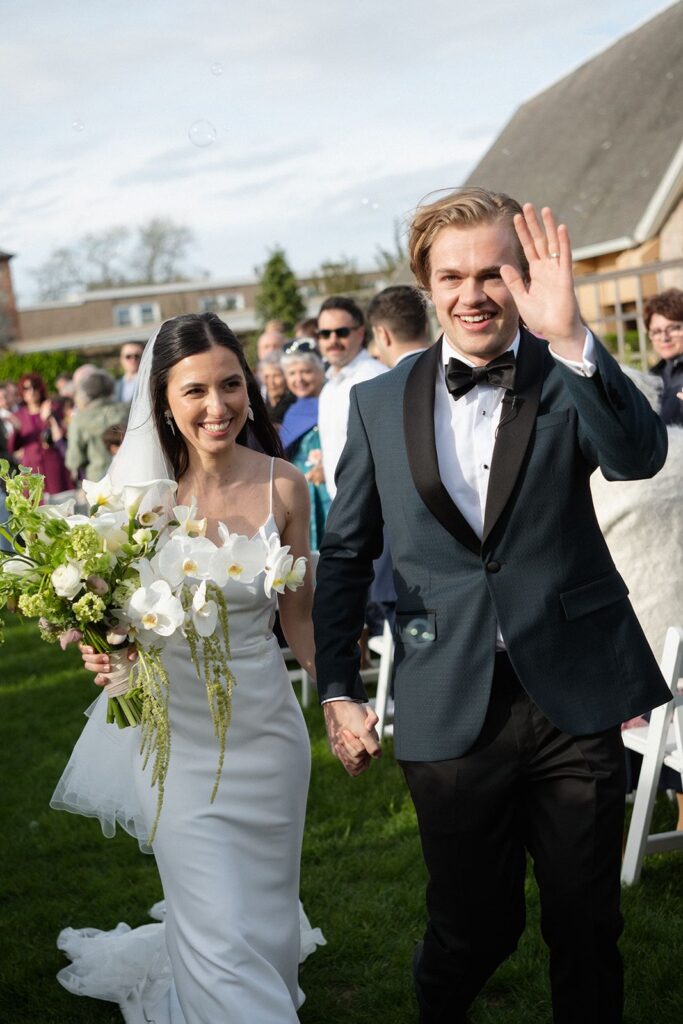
pixel 230 870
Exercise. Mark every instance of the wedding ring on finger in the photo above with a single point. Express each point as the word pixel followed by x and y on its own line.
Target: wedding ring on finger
pixel 554 255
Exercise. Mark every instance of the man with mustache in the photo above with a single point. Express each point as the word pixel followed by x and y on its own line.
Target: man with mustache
pixel 517 651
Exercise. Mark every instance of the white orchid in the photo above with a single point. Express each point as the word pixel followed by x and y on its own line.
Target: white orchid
pixel 204 613
pixel 155 609
pixel 101 494
pixel 185 558
pixel 188 524
pixel 282 572
pixel 240 558
pixel 66 579
pixel 134 495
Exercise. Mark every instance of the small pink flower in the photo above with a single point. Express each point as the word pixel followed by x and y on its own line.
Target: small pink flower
pixel 71 636
pixel 96 585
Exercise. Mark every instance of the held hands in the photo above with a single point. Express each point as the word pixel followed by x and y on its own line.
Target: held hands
pixel 100 663
pixel 352 736
pixel 547 302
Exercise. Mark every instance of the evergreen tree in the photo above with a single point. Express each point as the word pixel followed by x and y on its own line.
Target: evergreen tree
pixel 278 296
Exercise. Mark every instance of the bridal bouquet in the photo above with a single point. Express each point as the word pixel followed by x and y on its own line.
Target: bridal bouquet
pixel 134 571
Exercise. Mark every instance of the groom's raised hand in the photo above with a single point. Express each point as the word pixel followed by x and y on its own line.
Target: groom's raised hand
pixel 546 301
pixel 351 733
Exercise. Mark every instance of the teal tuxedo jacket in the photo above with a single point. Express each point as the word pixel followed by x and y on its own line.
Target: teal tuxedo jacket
pixel 542 568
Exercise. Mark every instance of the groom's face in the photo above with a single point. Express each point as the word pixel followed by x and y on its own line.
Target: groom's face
pixel 476 311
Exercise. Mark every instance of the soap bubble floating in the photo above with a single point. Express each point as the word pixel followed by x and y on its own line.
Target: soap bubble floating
pixel 201 134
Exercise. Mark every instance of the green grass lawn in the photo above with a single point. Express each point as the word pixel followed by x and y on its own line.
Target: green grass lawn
pixel 362 880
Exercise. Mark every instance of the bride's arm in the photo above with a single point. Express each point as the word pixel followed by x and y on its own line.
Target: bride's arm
pixel 295 606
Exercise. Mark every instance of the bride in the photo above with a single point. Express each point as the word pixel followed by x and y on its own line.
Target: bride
pixel 229 869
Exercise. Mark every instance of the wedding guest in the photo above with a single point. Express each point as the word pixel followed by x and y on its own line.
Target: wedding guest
pixel 86 454
pixel 663 316
pixel 64 385
pixel 37 440
pixel 307 328
pixel 300 437
pixel 277 398
pixel 112 438
pixel 400 327
pixel 269 343
pixel 129 358
pixel 342 339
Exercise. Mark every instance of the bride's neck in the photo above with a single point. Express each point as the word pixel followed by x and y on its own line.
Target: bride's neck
pixel 206 474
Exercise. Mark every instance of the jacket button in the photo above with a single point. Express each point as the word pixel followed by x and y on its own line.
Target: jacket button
pixel 493 566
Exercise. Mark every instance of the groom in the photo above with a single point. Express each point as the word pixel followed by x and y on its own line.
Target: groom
pixel 517 651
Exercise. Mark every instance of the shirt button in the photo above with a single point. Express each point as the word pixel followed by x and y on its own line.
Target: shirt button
pixel 493 566
pixel 484 466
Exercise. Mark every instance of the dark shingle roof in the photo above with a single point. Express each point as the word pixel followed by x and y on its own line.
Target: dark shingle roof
pixel 603 146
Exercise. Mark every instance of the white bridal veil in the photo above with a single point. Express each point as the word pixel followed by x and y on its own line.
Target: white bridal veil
pixel 98 780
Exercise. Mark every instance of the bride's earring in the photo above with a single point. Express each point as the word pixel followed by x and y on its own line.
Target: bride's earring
pixel 169 421
pixel 250 414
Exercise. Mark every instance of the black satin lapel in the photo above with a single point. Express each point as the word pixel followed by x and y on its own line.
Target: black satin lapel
pixel 418 428
pixel 513 435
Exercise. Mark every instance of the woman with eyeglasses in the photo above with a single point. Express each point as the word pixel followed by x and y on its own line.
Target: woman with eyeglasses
pixel 38 437
pixel 663 316
pixel 300 438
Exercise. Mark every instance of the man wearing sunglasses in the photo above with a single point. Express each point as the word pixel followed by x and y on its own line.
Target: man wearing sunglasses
pixel 130 356
pixel 341 339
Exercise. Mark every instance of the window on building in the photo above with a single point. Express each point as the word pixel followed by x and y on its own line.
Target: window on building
pixel 221 303
pixel 137 314
pixel 122 316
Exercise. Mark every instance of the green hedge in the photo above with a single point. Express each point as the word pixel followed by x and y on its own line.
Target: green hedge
pixel 48 364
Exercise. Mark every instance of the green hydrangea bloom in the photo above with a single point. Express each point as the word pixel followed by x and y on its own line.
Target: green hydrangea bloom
pixel 85 543
pixel 89 608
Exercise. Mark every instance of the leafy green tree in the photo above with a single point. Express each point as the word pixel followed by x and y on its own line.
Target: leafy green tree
pixel 278 297
pixel 338 277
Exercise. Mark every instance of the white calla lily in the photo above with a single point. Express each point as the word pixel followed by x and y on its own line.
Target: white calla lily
pixel 241 558
pixel 204 613
pixel 134 495
pixel 185 558
pixel 102 494
pixel 110 527
pixel 155 609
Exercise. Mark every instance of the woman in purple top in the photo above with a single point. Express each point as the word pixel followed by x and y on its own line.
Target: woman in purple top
pixel 37 438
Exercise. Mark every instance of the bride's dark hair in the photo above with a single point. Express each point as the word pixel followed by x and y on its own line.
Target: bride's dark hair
pixel 188 335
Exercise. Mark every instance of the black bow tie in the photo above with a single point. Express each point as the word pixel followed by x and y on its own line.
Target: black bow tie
pixel 461 378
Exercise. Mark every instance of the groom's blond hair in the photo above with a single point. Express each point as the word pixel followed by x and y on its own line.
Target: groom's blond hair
pixel 463 208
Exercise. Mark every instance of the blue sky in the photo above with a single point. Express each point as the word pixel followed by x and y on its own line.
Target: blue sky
pixel 320 123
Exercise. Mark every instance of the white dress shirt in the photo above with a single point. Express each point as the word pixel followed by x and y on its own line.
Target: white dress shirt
pixel 333 409
pixel 465 433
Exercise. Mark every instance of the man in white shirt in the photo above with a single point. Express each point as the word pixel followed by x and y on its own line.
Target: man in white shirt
pixel 517 651
pixel 341 337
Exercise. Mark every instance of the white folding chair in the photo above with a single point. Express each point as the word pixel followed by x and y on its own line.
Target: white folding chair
pixel 660 742
pixel 383 703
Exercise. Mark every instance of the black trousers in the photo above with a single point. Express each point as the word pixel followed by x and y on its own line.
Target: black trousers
pixel 523 786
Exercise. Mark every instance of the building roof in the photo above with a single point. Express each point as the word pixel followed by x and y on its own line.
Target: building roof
pixel 604 145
